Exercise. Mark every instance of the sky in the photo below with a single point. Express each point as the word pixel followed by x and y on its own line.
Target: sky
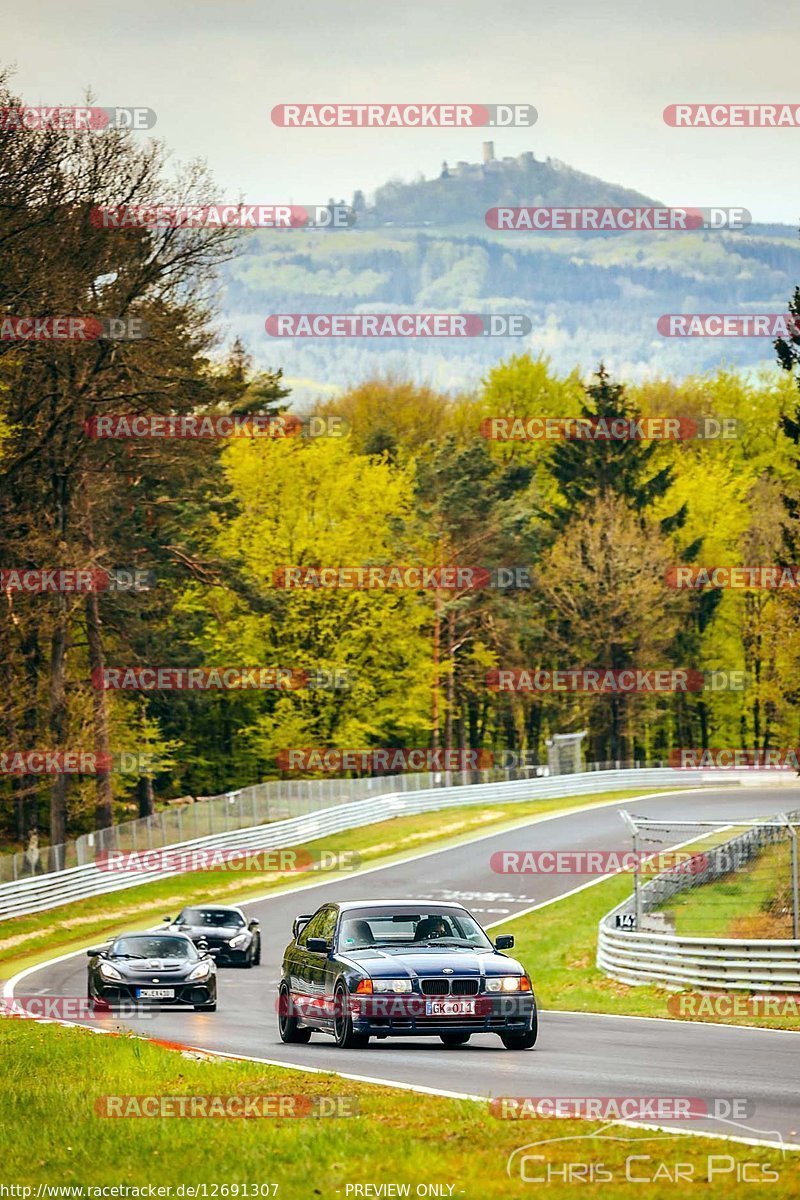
pixel 599 74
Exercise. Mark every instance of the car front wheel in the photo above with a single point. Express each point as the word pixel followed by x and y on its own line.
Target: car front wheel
pixel 343 1030
pixel 522 1041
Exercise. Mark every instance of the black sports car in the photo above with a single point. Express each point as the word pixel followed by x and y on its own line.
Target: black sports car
pixel 395 968
pixel 152 968
pixel 224 931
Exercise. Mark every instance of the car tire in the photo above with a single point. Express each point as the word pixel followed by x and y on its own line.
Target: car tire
pixel 455 1039
pixel 206 1007
pixel 346 1037
pixel 248 962
pixel 287 1021
pixel 523 1041
pixel 257 955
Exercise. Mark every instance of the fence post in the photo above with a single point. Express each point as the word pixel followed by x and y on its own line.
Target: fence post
pixel 795 889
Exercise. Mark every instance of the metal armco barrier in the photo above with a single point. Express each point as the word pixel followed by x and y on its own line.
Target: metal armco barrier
pixel 37 893
pixel 710 964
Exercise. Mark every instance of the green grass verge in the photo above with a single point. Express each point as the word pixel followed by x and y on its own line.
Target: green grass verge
pixel 27 940
pixel 754 902
pixel 51 1132
pixel 558 944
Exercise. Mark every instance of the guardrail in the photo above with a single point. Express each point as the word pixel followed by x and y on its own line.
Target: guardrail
pixel 241 808
pixel 714 964
pixel 39 892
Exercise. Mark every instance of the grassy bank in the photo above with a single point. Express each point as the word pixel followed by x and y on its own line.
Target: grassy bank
pixel 30 939
pixel 754 902
pixel 558 944
pixel 51 1132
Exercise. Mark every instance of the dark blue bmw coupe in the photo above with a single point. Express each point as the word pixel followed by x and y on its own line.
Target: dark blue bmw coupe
pixel 396 968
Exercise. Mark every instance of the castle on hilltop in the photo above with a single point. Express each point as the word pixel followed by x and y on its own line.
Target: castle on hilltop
pixel 465 170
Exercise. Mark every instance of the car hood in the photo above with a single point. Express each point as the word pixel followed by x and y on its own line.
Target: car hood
pixel 388 963
pixel 153 966
pixel 213 931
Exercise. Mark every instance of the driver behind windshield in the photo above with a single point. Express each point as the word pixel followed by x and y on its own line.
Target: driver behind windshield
pixel 431 927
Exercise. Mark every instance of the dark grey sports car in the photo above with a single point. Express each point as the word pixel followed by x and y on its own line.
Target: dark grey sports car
pixel 152 968
pixel 396 968
pixel 223 930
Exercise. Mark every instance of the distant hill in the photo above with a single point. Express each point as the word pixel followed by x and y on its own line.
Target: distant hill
pixel 463 192
pixel 424 246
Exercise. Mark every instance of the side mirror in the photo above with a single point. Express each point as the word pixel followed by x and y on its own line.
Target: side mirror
pixel 317 945
pixel 254 924
pixel 167 920
pixel 504 942
pixel 97 952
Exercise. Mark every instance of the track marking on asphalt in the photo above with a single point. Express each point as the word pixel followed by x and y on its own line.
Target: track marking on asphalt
pixel 564 1012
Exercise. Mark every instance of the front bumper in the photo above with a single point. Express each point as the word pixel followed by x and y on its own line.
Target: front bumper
pixel 229 957
pixel 117 994
pixel 401 1016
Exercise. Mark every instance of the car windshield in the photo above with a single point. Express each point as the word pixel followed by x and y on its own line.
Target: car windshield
pixel 417 927
pixel 212 917
pixel 153 947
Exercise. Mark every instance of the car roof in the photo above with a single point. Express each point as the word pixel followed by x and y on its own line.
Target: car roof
pixel 216 907
pixel 152 933
pixel 344 905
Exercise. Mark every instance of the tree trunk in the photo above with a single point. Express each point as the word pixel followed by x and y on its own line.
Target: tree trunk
pixel 104 804
pixel 144 794
pixel 58 725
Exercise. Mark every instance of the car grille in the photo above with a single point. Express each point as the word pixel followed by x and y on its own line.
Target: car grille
pixel 448 987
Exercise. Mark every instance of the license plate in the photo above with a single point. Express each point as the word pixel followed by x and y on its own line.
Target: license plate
pixel 450 1008
pixel 156 993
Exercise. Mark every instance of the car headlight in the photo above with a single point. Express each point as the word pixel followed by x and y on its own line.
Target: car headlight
pixel 397 986
pixel 239 940
pixel 503 983
pixel 201 971
pixel 109 972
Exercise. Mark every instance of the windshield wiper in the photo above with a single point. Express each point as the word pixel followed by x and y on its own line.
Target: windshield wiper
pixel 459 942
pixel 142 956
